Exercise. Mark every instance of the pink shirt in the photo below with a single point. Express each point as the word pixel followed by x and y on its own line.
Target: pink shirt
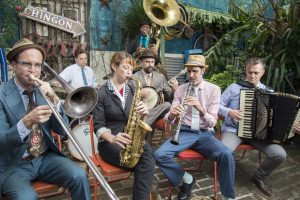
pixel 209 97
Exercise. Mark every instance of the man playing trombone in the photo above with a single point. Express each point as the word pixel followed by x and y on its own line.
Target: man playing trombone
pixel 27 150
pixel 196 105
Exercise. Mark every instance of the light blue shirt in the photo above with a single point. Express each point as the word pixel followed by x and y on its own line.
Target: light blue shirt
pixel 230 100
pixel 73 75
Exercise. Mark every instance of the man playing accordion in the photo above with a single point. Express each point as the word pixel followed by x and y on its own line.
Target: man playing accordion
pixel 229 109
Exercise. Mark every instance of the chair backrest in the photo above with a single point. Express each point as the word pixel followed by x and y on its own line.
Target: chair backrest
pixel 57 139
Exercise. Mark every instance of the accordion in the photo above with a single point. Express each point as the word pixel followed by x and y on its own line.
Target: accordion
pixel 267 117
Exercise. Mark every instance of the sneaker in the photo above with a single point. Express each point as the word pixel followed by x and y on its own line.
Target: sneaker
pixel 186 190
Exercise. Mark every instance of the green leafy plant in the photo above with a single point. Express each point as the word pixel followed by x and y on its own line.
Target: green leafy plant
pixel 275 38
pixel 223 79
pixel 9 23
pixel 132 18
pixel 202 19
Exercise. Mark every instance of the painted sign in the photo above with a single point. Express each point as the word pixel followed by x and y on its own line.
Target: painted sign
pixel 54 20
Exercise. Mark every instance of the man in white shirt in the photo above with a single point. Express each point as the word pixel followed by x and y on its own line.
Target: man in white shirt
pixel 79 74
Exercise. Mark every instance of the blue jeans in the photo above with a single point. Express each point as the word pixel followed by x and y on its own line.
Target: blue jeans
pixel 50 168
pixel 204 142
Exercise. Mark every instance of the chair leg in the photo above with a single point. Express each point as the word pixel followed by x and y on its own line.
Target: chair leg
pixel 215 180
pixel 170 190
pixel 238 158
pixel 95 189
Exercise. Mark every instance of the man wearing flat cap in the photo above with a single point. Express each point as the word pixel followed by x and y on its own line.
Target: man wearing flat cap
pixel 195 107
pixel 156 87
pixel 27 150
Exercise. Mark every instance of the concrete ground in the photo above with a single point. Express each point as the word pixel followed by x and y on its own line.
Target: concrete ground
pixel 285 180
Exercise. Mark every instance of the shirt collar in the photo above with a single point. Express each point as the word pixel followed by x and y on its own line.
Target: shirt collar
pixel 147 75
pixel 111 87
pixel 20 89
pixel 85 67
pixel 200 85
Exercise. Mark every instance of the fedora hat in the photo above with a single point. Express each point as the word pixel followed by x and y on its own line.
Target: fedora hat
pixel 22 45
pixel 196 61
pixel 145 23
pixel 147 54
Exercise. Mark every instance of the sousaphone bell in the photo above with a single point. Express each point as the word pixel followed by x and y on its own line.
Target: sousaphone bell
pixel 162 12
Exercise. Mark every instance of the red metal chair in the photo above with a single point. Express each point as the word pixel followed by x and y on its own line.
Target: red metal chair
pixel 244 148
pixel 192 155
pixel 44 189
pixel 161 126
pixel 112 173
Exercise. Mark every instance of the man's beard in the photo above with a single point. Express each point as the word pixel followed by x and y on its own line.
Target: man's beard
pixel 149 70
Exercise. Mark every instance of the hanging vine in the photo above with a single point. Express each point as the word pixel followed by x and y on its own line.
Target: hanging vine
pixel 9 22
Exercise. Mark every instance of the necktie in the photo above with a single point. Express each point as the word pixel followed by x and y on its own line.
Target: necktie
pixel 35 141
pixel 83 77
pixel 195 113
pixel 149 80
pixel 144 42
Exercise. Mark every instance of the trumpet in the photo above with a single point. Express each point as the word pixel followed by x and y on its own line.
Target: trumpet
pixel 175 139
pixel 76 143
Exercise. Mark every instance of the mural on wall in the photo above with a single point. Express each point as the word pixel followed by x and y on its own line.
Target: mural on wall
pixel 105 32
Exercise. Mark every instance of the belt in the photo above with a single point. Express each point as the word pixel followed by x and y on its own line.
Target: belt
pixel 28 158
pixel 31 157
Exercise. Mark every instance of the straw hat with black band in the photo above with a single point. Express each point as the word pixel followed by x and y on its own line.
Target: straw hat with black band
pixel 23 45
pixel 196 61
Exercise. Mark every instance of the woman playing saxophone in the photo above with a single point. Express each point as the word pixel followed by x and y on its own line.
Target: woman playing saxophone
pixel 111 115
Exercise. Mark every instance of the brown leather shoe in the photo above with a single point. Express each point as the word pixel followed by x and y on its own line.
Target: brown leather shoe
pixel 262 186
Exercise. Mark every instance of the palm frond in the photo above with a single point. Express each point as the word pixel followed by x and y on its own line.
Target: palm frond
pixel 132 17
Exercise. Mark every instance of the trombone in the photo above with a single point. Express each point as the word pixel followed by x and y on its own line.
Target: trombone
pixel 74 98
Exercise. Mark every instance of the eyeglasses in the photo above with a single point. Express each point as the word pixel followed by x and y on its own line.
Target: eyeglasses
pixel 28 65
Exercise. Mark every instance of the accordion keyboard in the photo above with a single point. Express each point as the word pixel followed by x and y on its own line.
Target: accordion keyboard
pixel 246 105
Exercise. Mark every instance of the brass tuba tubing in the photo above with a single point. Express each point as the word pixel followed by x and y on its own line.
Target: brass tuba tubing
pixel 80 101
pixel 77 145
pixel 175 138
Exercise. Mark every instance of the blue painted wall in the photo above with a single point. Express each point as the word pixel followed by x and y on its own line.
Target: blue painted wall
pixel 105 23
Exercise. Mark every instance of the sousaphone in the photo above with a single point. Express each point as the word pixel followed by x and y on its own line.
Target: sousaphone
pixel 162 12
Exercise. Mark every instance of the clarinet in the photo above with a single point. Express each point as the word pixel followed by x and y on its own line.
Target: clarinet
pixel 176 135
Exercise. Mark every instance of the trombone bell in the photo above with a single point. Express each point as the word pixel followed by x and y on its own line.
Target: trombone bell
pixel 162 12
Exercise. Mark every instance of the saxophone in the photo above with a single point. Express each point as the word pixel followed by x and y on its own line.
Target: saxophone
pixel 137 129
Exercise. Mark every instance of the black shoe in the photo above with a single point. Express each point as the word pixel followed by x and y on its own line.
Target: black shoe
pixel 185 191
pixel 262 186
